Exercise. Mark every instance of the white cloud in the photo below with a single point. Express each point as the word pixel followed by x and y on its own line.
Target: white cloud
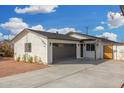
pixel 102 22
pixel 1 36
pixel 37 9
pixel 115 20
pixel 62 30
pixel 38 27
pixel 6 37
pixel 15 25
pixel 110 36
pixel 99 28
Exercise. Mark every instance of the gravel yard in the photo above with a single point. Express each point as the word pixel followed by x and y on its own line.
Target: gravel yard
pixel 9 67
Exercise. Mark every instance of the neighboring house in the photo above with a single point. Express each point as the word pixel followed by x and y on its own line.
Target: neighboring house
pixel 51 47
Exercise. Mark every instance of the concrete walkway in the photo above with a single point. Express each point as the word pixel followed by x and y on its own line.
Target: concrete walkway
pixel 104 75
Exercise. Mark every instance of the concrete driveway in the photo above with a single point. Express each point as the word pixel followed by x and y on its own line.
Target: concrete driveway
pixel 83 74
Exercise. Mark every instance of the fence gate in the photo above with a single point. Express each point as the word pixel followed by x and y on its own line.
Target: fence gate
pixel 108 52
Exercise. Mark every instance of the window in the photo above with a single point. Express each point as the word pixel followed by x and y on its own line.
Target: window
pixel 27 47
pixel 90 47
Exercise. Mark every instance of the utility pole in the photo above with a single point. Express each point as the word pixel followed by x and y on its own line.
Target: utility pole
pixel 87 30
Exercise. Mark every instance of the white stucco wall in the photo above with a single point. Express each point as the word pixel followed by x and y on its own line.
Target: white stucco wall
pixel 118 52
pixel 39 46
pixel 99 50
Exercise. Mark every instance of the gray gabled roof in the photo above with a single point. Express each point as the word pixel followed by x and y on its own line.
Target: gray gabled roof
pixel 93 37
pixel 81 34
pixel 50 35
pixel 55 35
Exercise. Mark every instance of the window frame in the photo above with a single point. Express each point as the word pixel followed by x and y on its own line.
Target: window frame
pixel 28 47
pixel 87 47
pixel 90 47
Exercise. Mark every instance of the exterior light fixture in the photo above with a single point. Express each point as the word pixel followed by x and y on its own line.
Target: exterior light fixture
pixel 97 44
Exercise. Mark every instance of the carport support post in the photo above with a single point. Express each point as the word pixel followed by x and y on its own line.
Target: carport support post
pixel 95 49
pixel 50 53
pixel 78 51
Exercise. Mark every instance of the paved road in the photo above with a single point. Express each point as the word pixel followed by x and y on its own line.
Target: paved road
pixel 81 75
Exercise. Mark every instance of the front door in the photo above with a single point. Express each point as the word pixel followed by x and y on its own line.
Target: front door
pixel 81 50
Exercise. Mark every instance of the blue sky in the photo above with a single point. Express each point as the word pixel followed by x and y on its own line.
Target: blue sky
pixel 60 17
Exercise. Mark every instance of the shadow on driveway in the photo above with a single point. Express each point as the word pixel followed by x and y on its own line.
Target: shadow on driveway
pixel 79 61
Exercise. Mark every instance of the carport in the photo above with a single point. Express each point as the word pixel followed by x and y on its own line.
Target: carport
pixel 63 51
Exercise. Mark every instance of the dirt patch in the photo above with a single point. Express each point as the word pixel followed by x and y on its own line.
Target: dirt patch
pixel 10 67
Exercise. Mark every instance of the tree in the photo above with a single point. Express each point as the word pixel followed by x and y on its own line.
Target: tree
pixel 7 48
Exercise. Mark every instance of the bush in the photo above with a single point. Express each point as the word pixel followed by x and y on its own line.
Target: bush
pixel 18 59
pixel 30 59
pixel 7 49
pixel 24 58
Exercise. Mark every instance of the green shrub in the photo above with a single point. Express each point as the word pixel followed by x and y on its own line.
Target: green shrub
pixel 18 59
pixel 24 58
pixel 30 59
pixel 7 49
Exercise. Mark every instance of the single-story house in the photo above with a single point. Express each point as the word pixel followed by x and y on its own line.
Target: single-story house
pixel 49 47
